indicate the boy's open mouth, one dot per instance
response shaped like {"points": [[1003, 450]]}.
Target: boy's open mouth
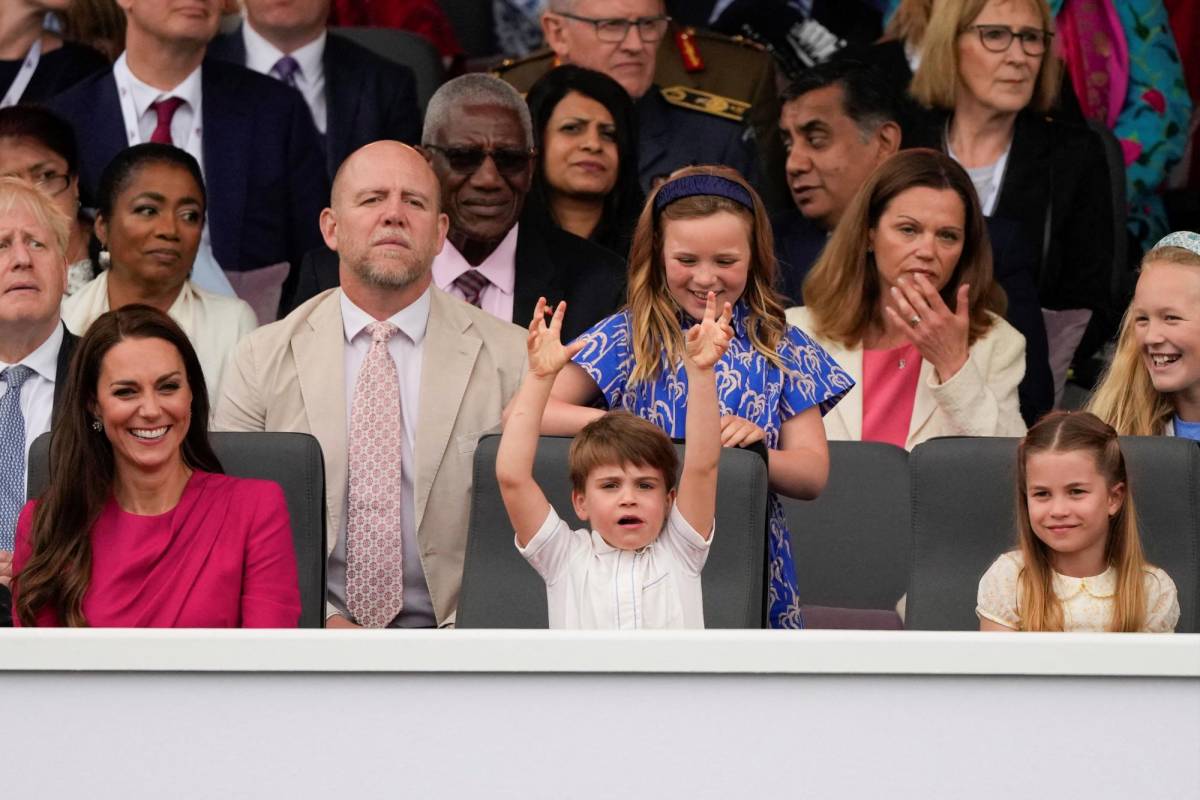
{"points": [[629, 519]]}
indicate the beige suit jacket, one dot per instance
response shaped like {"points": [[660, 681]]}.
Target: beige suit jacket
{"points": [[290, 376], [979, 400]]}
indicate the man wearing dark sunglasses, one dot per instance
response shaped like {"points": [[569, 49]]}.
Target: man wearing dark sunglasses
{"points": [[479, 139], [677, 127]]}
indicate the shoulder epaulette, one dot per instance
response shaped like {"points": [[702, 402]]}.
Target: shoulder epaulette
{"points": [[706, 102]]}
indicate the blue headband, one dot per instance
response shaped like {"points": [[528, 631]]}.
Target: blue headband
{"points": [[1185, 239], [693, 185]]}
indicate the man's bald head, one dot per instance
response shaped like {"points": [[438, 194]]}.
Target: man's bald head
{"points": [[384, 221]]}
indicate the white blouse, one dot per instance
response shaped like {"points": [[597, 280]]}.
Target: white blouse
{"points": [[214, 323], [1087, 603]]}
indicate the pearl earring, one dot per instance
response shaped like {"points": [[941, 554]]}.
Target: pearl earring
{"points": [[104, 259]]}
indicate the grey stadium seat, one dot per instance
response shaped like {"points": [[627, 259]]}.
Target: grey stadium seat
{"points": [[851, 544], [402, 47], [501, 590], [294, 461]]}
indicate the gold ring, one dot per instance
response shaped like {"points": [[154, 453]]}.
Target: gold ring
{"points": [[914, 320]]}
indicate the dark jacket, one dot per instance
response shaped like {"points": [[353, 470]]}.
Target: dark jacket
{"points": [[798, 243], [551, 263], [672, 136], [368, 97], [263, 167], [65, 351]]}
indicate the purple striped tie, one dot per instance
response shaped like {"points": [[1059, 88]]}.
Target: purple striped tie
{"points": [[472, 283]]}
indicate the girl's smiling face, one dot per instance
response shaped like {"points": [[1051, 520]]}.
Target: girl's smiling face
{"points": [[706, 254], [1070, 505], [1166, 324]]}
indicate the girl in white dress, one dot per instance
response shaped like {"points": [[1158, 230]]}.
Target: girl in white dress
{"points": [[1078, 565]]}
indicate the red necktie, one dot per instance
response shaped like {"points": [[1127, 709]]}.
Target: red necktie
{"points": [[165, 109]]}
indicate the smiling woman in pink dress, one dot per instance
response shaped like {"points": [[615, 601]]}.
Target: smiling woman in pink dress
{"points": [[904, 299], [138, 527]]}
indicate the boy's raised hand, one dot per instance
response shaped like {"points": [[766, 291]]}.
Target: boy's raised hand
{"points": [[547, 354], [707, 341]]}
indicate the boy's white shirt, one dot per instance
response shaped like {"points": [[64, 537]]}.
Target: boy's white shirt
{"points": [[592, 585]]}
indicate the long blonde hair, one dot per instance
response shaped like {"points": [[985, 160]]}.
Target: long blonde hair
{"points": [[654, 314], [842, 290], [1126, 397], [909, 22], [936, 81], [1039, 608]]}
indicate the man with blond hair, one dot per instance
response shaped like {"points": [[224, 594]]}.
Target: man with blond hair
{"points": [[35, 347]]}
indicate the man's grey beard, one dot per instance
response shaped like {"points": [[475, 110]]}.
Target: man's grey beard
{"points": [[389, 279]]}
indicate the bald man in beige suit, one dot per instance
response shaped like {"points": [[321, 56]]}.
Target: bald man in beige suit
{"points": [[456, 366]]}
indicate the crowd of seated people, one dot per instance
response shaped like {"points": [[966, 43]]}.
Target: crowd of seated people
{"points": [[261, 230]]}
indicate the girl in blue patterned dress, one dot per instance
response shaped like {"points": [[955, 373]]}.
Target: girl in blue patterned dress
{"points": [[706, 230]]}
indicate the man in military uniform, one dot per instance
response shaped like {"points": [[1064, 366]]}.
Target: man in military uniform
{"points": [[678, 125]]}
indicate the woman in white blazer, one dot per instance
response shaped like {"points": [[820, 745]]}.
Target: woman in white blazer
{"points": [[903, 298], [150, 222]]}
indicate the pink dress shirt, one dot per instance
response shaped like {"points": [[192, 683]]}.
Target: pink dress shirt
{"points": [[500, 268]]}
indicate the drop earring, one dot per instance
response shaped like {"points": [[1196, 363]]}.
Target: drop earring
{"points": [[104, 259]]}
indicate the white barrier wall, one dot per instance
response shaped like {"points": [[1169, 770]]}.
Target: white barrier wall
{"points": [[535, 714]]}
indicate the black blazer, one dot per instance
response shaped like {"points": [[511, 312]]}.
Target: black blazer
{"points": [[263, 167], [65, 351], [1056, 192], [551, 263], [368, 97]]}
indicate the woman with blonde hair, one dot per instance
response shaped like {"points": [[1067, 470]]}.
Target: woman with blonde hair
{"points": [[1078, 565], [706, 230], [904, 299], [1152, 386]]}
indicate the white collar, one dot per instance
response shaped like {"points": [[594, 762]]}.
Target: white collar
{"points": [[144, 95], [44, 360], [261, 55], [411, 320]]}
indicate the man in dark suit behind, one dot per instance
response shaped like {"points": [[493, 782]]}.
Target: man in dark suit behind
{"points": [[479, 140], [355, 96], [254, 139], [35, 347]]}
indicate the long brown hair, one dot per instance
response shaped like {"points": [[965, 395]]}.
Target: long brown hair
{"points": [[842, 290], [82, 469], [654, 314], [1126, 397], [1039, 608]]}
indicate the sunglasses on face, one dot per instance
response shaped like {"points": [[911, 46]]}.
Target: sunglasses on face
{"points": [[465, 160]]}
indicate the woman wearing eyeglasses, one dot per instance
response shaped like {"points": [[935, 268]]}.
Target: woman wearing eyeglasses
{"points": [[35, 64], [988, 70], [40, 147]]}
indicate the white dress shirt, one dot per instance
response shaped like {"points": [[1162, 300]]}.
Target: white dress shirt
{"points": [[136, 97], [261, 55], [592, 585], [406, 350], [500, 268], [37, 393]]}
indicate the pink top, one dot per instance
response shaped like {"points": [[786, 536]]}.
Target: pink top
{"points": [[222, 558], [889, 387]]}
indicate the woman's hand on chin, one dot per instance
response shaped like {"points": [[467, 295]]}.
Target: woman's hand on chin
{"points": [[940, 335]]}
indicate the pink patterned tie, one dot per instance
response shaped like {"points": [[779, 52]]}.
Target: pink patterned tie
{"points": [[374, 558]]}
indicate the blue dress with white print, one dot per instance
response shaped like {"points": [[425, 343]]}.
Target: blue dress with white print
{"points": [[748, 386]]}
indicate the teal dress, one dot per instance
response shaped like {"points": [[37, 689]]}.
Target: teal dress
{"points": [[748, 386]]}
